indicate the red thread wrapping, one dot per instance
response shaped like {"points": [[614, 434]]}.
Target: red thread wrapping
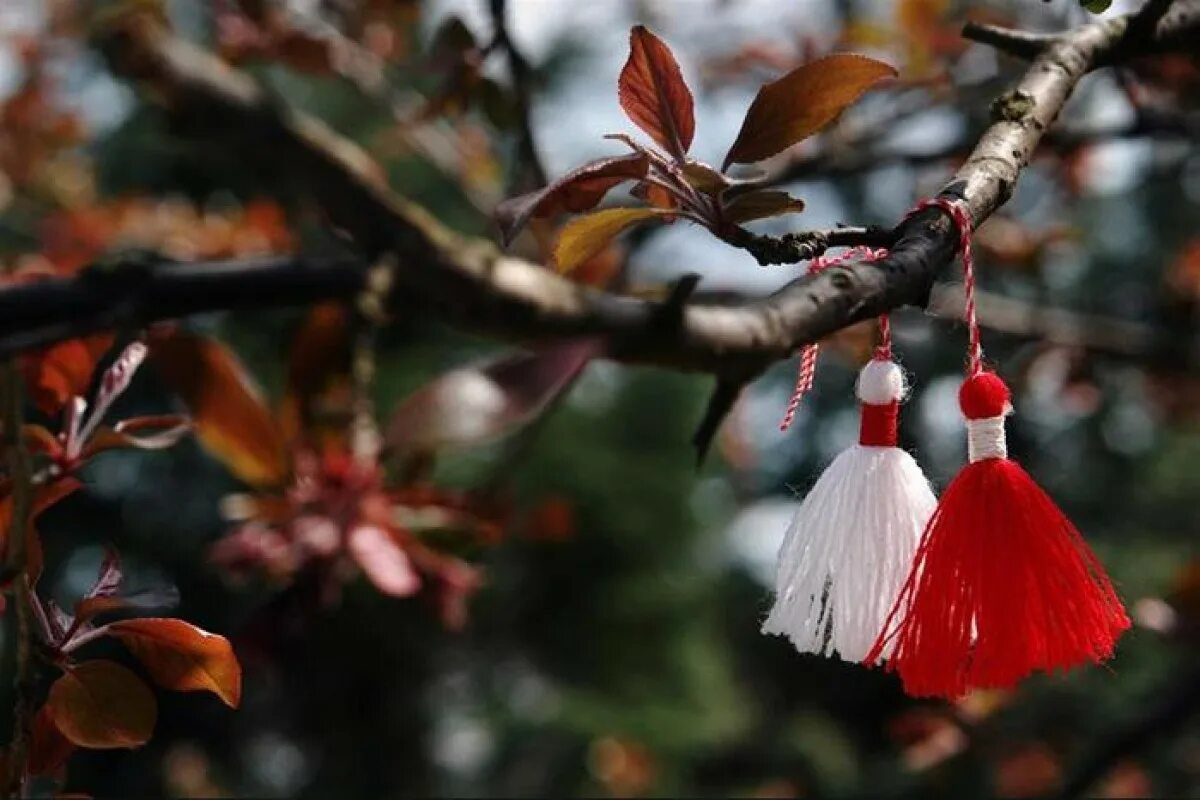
{"points": [[880, 425]]}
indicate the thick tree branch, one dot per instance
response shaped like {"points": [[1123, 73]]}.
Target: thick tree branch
{"points": [[470, 283], [135, 295]]}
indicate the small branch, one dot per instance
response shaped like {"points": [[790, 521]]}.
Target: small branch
{"points": [[792, 248], [20, 472], [1022, 44], [1098, 334], [522, 80]]}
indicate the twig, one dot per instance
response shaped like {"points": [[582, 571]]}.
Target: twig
{"points": [[1123, 338], [1022, 44], [522, 79], [792, 248]]}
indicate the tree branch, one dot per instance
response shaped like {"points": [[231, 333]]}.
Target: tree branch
{"points": [[469, 283], [530, 163], [1097, 334], [1022, 44]]}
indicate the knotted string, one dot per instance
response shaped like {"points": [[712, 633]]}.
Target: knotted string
{"points": [[962, 220], [958, 212], [808, 353]]}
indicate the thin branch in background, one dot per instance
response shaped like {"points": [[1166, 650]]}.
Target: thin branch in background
{"points": [[1022, 44], [531, 173], [1094, 333]]}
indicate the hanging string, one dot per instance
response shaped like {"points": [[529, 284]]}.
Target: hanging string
{"points": [[962, 220], [808, 354]]}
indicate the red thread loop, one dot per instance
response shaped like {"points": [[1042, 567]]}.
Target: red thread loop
{"points": [[808, 353], [880, 425], [962, 220]]}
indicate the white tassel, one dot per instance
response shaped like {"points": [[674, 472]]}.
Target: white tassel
{"points": [[851, 544]]}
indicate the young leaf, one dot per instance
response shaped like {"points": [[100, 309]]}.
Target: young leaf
{"points": [[182, 657], [654, 95], [383, 560], [102, 596], [579, 190], [585, 236], [228, 415], [100, 704], [760, 205], [108, 581], [62, 371], [656, 196], [156, 432], [802, 102], [704, 178]]}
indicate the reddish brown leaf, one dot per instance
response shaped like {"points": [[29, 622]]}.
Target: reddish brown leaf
{"points": [[62, 371], [656, 196], [583, 237], [319, 362], [89, 608], [48, 748], [802, 102], [579, 190], [760, 205], [182, 657], [229, 417], [654, 95], [44, 496], [100, 704]]}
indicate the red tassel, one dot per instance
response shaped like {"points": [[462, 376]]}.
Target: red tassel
{"points": [[1002, 584]]}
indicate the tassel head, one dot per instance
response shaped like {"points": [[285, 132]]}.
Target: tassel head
{"points": [[880, 388], [1003, 584]]}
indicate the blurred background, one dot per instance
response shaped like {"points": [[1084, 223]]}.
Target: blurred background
{"points": [[613, 646]]}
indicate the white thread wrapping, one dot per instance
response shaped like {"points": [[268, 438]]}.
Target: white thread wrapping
{"points": [[985, 439], [848, 551]]}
